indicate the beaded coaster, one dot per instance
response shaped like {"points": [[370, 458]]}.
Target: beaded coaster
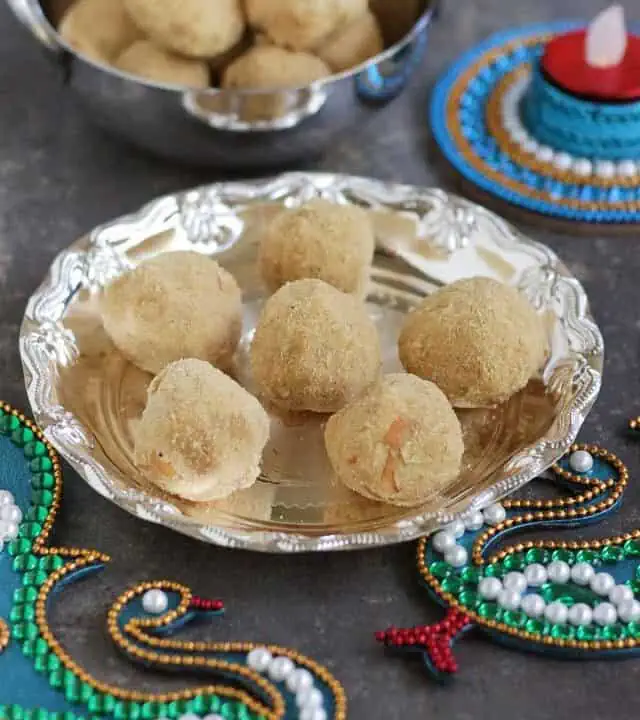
{"points": [[476, 121], [570, 598], [42, 681]]}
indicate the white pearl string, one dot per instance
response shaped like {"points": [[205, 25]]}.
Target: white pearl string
{"points": [[583, 167], [10, 518], [514, 590], [298, 681]]}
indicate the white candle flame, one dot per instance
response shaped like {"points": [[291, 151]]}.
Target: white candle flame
{"points": [[606, 42]]}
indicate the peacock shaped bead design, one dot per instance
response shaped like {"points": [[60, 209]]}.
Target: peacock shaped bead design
{"points": [[42, 681], [572, 598]]}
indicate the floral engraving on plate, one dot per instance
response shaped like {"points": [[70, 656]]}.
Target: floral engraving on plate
{"points": [[65, 429], [449, 224], [54, 342], [209, 221], [103, 263]]}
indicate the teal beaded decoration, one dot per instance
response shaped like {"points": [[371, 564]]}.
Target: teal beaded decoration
{"points": [[572, 598], [42, 681]]}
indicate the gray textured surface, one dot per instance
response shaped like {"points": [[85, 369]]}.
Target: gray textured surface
{"points": [[59, 177]]}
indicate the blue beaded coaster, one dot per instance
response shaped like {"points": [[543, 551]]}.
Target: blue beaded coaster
{"points": [[477, 120]]}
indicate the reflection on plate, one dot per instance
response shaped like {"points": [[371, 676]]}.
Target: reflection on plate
{"points": [[88, 397]]}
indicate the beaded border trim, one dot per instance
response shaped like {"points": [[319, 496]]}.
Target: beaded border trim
{"points": [[447, 130], [137, 629], [558, 509], [85, 558], [510, 147]]}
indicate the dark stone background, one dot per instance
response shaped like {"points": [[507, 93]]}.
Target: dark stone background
{"points": [[59, 177]]}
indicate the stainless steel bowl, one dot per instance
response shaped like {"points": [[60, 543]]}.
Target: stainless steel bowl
{"points": [[205, 127]]}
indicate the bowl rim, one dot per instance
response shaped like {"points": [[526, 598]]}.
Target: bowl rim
{"points": [[416, 29]]}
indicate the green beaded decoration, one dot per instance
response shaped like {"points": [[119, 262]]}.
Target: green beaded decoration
{"points": [[563, 555], [611, 554], [515, 562], [538, 555], [632, 549], [35, 569]]}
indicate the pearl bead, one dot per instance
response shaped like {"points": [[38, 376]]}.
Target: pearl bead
{"points": [[259, 658], [535, 574], [510, 124], [581, 573], [489, 588], [457, 556], [629, 611], [155, 602], [563, 161], [530, 145], [545, 154], [556, 613], [494, 514], [509, 599], [313, 714], [11, 531], [213, 717], [280, 668], [558, 571], [627, 168], [10, 513], [520, 135], [474, 521], [582, 167], [309, 698], [533, 605], [602, 583], [605, 614], [299, 680], [443, 541], [515, 581], [189, 716], [455, 528], [620, 593], [580, 614], [580, 461], [605, 169], [6, 498]]}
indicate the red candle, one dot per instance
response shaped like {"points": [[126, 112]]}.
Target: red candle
{"points": [[565, 64], [600, 63]]}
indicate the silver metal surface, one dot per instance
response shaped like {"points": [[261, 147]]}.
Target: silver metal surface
{"points": [[206, 127], [453, 238]]}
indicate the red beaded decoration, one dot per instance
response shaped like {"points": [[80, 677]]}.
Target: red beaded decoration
{"points": [[436, 640], [198, 603]]}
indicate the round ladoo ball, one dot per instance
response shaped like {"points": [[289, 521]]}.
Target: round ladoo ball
{"points": [[315, 348], [201, 435], [302, 24], [356, 43], [98, 29], [266, 67], [149, 61], [176, 305], [321, 240], [193, 28], [479, 340], [399, 443]]}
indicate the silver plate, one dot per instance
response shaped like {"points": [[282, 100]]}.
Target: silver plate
{"points": [[425, 238]]}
